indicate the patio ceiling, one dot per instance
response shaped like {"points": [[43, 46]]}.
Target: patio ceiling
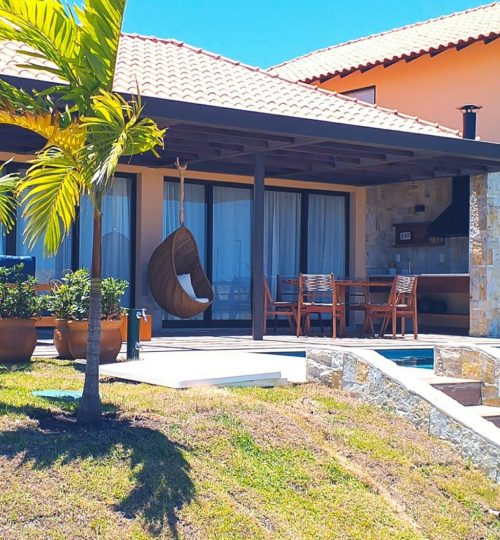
{"points": [[225, 140], [311, 159]]}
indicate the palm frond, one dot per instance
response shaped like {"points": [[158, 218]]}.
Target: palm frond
{"points": [[16, 99], [49, 28], [50, 193], [47, 125], [8, 203], [79, 47], [100, 22], [115, 130]]}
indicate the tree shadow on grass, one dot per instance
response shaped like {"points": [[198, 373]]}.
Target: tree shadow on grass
{"points": [[161, 481], [27, 367], [22, 367]]}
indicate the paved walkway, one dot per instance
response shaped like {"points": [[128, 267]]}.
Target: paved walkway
{"points": [[219, 340]]}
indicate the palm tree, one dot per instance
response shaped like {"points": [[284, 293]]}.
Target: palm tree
{"points": [[87, 129]]}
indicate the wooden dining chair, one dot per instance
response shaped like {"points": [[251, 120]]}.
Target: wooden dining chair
{"points": [[275, 308], [401, 304], [318, 294]]}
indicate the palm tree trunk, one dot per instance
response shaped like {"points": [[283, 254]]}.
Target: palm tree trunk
{"points": [[89, 412]]}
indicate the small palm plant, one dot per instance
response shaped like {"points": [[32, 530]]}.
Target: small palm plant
{"points": [[87, 129]]}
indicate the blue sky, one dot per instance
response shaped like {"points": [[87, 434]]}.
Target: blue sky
{"points": [[266, 32]]}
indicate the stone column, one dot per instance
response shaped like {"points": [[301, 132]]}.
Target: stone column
{"points": [[484, 255]]}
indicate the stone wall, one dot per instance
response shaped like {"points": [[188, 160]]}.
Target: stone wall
{"points": [[368, 376], [390, 204], [473, 362], [485, 255]]}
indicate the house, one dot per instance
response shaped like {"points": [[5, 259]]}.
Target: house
{"points": [[427, 70], [279, 175]]}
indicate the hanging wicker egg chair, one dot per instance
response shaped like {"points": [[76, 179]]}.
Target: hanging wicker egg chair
{"points": [[176, 278], [175, 257]]}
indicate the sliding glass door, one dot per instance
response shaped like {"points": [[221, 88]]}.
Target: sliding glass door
{"points": [[47, 268], [117, 233], [231, 253], [303, 232], [3, 241], [326, 231], [281, 235]]}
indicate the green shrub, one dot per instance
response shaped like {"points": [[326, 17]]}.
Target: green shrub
{"points": [[18, 297], [70, 298], [112, 293]]}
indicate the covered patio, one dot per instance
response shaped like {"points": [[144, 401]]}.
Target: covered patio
{"points": [[275, 148]]}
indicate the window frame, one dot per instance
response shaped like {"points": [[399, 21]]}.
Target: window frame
{"points": [[11, 244], [208, 321], [348, 93]]}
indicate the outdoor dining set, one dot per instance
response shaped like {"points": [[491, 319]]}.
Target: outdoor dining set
{"points": [[299, 298]]}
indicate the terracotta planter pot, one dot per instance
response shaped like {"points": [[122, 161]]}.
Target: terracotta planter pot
{"points": [[61, 339], [17, 340], [111, 339]]}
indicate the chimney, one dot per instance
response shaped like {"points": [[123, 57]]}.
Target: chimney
{"points": [[470, 116]]}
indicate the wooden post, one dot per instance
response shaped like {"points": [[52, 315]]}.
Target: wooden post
{"points": [[258, 248]]}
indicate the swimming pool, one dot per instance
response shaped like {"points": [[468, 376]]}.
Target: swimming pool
{"points": [[298, 354], [417, 358]]}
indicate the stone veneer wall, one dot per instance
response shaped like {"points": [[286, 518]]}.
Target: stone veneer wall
{"points": [[485, 255], [477, 363], [395, 203], [368, 376]]}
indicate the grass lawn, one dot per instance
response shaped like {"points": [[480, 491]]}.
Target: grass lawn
{"points": [[289, 463]]}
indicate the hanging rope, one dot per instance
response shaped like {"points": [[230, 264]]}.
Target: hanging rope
{"points": [[181, 169]]}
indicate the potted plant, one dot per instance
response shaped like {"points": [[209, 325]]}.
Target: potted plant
{"points": [[19, 308], [70, 304], [69, 301]]}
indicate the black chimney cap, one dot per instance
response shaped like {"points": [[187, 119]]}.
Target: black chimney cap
{"points": [[469, 108]]}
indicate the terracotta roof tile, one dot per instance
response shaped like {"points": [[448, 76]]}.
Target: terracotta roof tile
{"points": [[171, 70], [410, 41]]}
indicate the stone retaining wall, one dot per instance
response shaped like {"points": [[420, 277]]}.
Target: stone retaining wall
{"points": [[479, 363], [370, 377]]}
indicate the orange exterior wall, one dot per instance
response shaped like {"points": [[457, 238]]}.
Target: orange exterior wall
{"points": [[433, 87]]}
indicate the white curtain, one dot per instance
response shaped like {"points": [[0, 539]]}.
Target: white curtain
{"points": [[232, 241], [326, 235], [116, 232], [195, 215], [281, 235], [195, 212]]}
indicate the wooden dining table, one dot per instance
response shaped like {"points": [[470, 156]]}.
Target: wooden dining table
{"points": [[344, 284]]}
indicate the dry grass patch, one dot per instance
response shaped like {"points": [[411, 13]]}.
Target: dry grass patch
{"points": [[296, 462]]}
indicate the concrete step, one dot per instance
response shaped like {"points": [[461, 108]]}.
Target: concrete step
{"points": [[488, 413], [466, 392]]}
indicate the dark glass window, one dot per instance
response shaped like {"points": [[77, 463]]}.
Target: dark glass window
{"points": [[363, 94]]}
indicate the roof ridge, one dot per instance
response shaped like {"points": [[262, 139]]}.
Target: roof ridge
{"points": [[383, 33], [329, 93]]}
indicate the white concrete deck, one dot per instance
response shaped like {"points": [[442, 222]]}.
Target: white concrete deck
{"points": [[214, 368]]}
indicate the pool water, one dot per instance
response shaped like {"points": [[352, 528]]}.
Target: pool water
{"points": [[298, 354], [418, 358]]}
